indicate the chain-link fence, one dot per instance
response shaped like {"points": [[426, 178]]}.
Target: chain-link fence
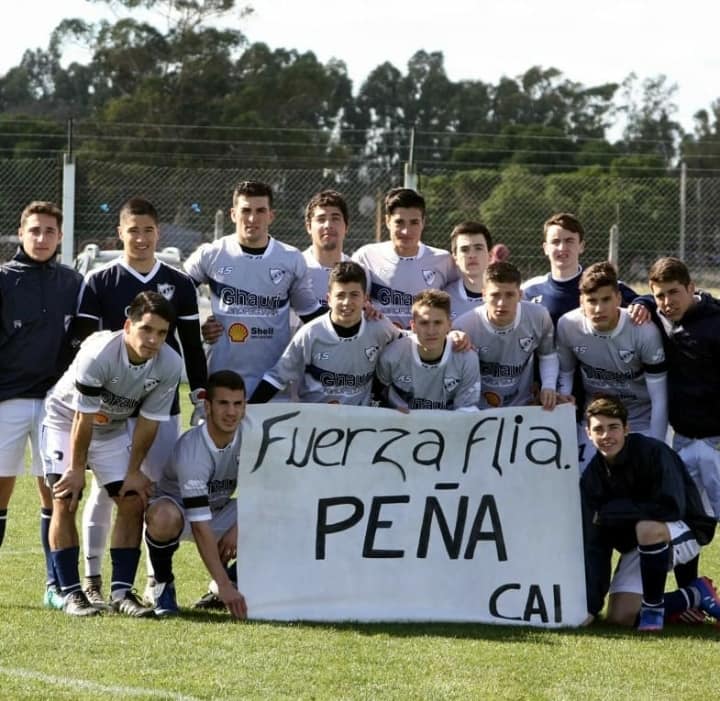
{"points": [[647, 211]]}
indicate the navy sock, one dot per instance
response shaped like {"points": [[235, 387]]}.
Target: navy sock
{"points": [[653, 571], [678, 601], [45, 515], [65, 562], [686, 572], [161, 555], [124, 568], [3, 521]]}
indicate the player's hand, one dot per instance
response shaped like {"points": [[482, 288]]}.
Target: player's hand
{"points": [[565, 399], [197, 397], [69, 486], [211, 330], [371, 314], [639, 314], [227, 545], [137, 483], [548, 399], [460, 341], [234, 601]]}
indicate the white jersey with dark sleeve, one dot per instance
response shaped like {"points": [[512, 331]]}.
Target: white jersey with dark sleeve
{"points": [[102, 381], [201, 476], [451, 383], [394, 281], [329, 368], [460, 301], [251, 296], [616, 362], [506, 354]]}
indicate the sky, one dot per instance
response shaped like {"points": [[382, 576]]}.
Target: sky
{"points": [[591, 42]]}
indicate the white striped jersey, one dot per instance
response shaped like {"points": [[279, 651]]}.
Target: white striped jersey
{"points": [[460, 302], [329, 368], [506, 354], [102, 381], [319, 275], [107, 292], [251, 297], [613, 362], [394, 281], [200, 475], [451, 383]]}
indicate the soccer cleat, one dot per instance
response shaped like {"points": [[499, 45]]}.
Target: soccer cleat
{"points": [[209, 602], [130, 605], [149, 593], [92, 586], [165, 600], [689, 617], [77, 604], [709, 599], [651, 619], [53, 599]]}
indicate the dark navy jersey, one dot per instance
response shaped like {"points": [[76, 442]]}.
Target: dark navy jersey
{"points": [[108, 291], [562, 296]]}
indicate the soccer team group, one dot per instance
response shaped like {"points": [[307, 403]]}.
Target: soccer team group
{"points": [[91, 368]]}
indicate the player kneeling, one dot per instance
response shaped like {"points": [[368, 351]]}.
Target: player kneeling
{"points": [[194, 498], [639, 499]]}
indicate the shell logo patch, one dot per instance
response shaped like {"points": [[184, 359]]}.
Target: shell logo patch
{"points": [[238, 332]]}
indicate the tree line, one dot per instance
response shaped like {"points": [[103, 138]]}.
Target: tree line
{"points": [[197, 93]]}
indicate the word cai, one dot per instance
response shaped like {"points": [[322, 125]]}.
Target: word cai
{"points": [[510, 441]]}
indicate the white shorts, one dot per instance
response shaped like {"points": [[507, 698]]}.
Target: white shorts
{"points": [[627, 579], [107, 457], [161, 448], [702, 458], [221, 522], [20, 421]]}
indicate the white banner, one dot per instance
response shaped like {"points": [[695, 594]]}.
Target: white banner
{"points": [[355, 513]]}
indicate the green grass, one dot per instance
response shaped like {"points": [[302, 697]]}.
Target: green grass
{"points": [[46, 655]]}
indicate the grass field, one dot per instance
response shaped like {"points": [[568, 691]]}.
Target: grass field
{"points": [[47, 655]]}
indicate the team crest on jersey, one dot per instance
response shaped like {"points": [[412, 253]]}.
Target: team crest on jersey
{"points": [[371, 353], [276, 275], [526, 343], [114, 380], [429, 277], [151, 383], [450, 383], [405, 379], [537, 299], [166, 291], [238, 332], [626, 356], [580, 349]]}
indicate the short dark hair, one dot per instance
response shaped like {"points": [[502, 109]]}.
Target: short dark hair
{"points": [[348, 271], [147, 302], [607, 405], [327, 198], [42, 207], [502, 272], [565, 220], [598, 275], [669, 269], [403, 197], [137, 207], [470, 228], [227, 379], [253, 188], [435, 299]]}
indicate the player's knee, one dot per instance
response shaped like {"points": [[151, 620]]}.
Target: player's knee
{"points": [[163, 520], [61, 503], [623, 610], [650, 532]]}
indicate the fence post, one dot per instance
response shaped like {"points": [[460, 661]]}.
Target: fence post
{"points": [[219, 229], [683, 209], [614, 245], [410, 178]]}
